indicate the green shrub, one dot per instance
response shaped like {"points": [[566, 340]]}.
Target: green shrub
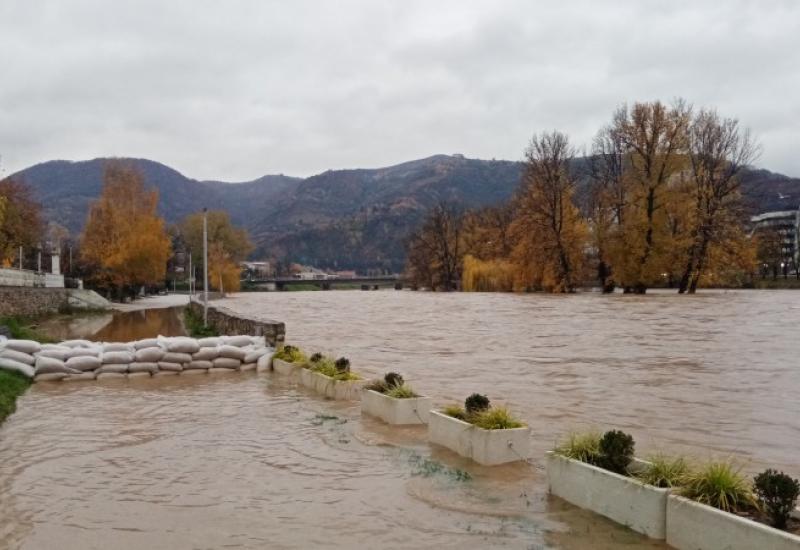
{"points": [[342, 365], [581, 446], [402, 391], [778, 494], [393, 379], [664, 471], [12, 385], [476, 403], [456, 411], [377, 385], [496, 418], [316, 357], [616, 451], [290, 354], [721, 485], [24, 328]]}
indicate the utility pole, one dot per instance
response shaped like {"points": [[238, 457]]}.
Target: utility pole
{"points": [[205, 266], [191, 275], [70, 260], [20, 258]]}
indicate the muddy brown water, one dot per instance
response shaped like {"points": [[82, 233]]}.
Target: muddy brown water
{"points": [[252, 461]]}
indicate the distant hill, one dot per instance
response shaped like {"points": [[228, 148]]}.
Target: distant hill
{"points": [[355, 219]]}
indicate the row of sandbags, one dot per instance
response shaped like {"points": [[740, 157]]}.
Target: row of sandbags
{"points": [[82, 359]]}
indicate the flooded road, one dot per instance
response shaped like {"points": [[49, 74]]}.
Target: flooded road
{"points": [[252, 461], [116, 326]]}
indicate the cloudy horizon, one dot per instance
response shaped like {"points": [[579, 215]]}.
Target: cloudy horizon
{"points": [[233, 91]]}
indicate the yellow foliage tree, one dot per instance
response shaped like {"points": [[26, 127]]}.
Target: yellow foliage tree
{"points": [[549, 231], [124, 243], [487, 275]]}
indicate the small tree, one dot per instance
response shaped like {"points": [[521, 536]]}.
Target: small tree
{"points": [[778, 492], [435, 252]]}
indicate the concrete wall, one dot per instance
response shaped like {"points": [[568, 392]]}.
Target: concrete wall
{"points": [[31, 302], [25, 278], [229, 322]]}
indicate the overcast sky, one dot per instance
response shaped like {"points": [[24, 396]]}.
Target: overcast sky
{"points": [[233, 90]]}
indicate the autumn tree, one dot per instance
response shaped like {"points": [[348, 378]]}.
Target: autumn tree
{"points": [[228, 246], [654, 141], [434, 251], [124, 244], [549, 231], [606, 202], [718, 150], [20, 219]]}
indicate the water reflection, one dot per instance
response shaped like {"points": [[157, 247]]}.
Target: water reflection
{"points": [[117, 326]]}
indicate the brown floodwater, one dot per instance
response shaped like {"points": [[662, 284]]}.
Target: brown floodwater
{"points": [[116, 326], [252, 461]]}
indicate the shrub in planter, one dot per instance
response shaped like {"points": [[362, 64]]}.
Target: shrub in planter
{"points": [[584, 447], [316, 357], [377, 385], [664, 472], [616, 451], [393, 379], [476, 403], [777, 492], [290, 354], [342, 365], [402, 391], [721, 485]]}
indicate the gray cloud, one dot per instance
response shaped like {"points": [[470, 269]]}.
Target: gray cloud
{"points": [[234, 90]]}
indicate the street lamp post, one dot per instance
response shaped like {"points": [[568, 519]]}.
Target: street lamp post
{"points": [[205, 266]]}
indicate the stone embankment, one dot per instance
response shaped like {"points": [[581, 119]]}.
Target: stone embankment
{"points": [[31, 302], [225, 321], [85, 360]]}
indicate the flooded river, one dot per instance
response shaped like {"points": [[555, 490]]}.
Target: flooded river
{"points": [[252, 461]]}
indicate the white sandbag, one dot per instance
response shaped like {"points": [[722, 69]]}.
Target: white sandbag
{"points": [[238, 341], [146, 343], [25, 346], [254, 355], [107, 375], [221, 370], [143, 367], [50, 376], [173, 357], [248, 367], [117, 346], [84, 363], [166, 373], [116, 357], [60, 353], [20, 356], [259, 341], [183, 345], [47, 365], [198, 365], [184, 372], [85, 352], [264, 362], [226, 363], [16, 366], [206, 354], [170, 367], [209, 342], [145, 374], [112, 368], [78, 377], [232, 352], [77, 343], [149, 355]]}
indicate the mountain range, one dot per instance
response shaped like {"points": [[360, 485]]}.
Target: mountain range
{"points": [[341, 219]]}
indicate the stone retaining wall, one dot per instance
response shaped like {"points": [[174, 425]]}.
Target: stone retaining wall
{"points": [[228, 322], [30, 302]]}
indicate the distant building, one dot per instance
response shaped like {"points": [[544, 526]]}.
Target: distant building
{"points": [[787, 224]]}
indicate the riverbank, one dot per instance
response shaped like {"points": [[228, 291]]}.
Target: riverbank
{"points": [[12, 385]]}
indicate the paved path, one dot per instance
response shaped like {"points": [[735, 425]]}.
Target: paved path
{"points": [[154, 302]]}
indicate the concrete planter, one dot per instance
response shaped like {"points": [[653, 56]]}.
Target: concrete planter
{"points": [[695, 526], [284, 367], [414, 410], [487, 447], [623, 499], [339, 390]]}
